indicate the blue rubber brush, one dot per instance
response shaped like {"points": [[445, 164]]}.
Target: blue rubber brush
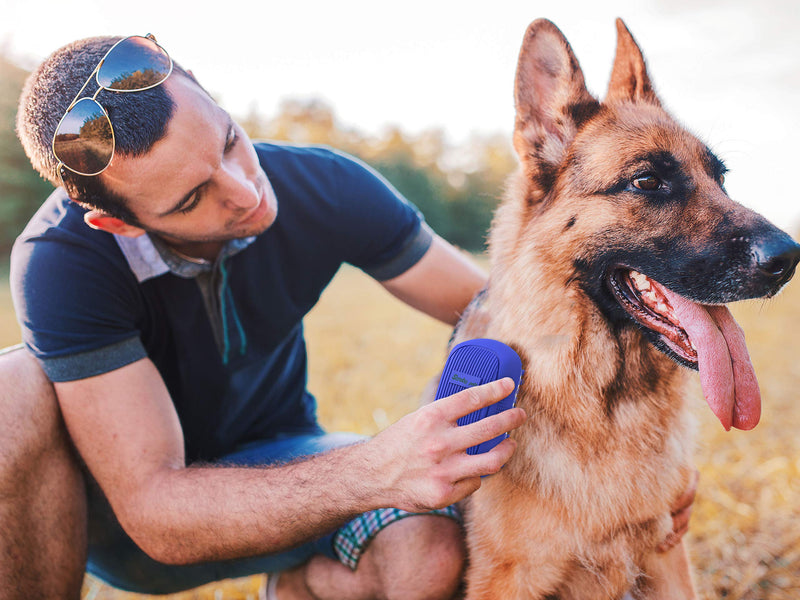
{"points": [[476, 362]]}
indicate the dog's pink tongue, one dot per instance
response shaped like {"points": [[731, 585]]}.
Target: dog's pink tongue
{"points": [[726, 372]]}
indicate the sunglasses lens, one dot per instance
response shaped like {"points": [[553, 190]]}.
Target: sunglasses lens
{"points": [[84, 141], [135, 63]]}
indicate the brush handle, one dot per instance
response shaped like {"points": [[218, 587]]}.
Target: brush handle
{"points": [[476, 362]]}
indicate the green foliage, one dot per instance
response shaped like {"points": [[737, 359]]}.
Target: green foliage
{"points": [[21, 188]]}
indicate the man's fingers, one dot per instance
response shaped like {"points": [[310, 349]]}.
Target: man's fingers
{"points": [[680, 519], [488, 463], [681, 513], [466, 401], [463, 488], [686, 499], [467, 469], [673, 538], [489, 428]]}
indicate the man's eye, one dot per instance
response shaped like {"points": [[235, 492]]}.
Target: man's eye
{"points": [[191, 205], [232, 139], [648, 183]]}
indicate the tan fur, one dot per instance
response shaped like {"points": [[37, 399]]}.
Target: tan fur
{"points": [[584, 501]]}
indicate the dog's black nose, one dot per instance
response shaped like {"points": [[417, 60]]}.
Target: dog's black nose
{"points": [[777, 257]]}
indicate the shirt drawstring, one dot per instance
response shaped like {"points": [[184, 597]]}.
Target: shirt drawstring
{"points": [[226, 298]]}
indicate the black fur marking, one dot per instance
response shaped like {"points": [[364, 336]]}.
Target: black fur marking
{"points": [[571, 222], [714, 166], [545, 176], [646, 380], [582, 112], [677, 184]]}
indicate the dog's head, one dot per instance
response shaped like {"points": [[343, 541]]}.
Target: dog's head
{"points": [[635, 207]]}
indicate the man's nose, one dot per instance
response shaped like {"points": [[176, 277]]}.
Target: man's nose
{"points": [[240, 191]]}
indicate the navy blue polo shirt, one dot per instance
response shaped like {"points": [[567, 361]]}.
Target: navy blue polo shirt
{"points": [[226, 337]]}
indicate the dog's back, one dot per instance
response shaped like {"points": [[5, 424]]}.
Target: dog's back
{"points": [[615, 238]]}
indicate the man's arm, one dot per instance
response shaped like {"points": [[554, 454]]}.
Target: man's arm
{"points": [[126, 429], [441, 284]]}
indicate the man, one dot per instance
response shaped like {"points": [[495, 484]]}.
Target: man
{"points": [[163, 299], [170, 326]]}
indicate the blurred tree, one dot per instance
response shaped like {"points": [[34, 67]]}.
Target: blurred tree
{"points": [[477, 186], [457, 189], [306, 122], [396, 158], [21, 188]]}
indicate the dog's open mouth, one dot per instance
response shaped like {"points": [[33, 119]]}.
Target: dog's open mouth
{"points": [[705, 337], [646, 302]]}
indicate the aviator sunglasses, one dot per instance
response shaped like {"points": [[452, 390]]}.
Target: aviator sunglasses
{"points": [[84, 139]]}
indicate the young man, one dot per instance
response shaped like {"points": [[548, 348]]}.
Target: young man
{"points": [[163, 299]]}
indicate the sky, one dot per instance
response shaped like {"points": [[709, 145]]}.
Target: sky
{"points": [[727, 69]]}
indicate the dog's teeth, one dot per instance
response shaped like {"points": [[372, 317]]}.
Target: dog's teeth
{"points": [[661, 307], [640, 281], [691, 343]]}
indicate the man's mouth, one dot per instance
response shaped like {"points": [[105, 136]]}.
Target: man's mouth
{"points": [[257, 211], [700, 336]]}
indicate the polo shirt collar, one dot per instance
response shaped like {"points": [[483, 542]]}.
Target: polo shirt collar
{"points": [[150, 257]]}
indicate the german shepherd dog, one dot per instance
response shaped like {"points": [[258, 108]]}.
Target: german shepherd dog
{"points": [[612, 258]]}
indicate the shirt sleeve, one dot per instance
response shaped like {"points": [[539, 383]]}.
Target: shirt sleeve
{"points": [[76, 308], [385, 233]]}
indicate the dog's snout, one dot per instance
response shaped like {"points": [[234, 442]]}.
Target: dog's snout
{"points": [[776, 258]]}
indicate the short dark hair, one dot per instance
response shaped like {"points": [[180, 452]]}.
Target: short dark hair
{"points": [[139, 119]]}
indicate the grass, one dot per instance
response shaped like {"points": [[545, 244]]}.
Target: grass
{"points": [[370, 356], [9, 329]]}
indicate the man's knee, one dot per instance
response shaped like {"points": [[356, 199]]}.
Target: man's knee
{"points": [[420, 557], [29, 415]]}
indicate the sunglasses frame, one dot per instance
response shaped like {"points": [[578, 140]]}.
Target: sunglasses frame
{"points": [[78, 98]]}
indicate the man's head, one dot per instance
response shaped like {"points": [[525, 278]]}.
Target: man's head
{"points": [[139, 119], [175, 149]]}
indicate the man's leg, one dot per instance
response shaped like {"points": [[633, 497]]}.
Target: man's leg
{"points": [[42, 498], [418, 557]]}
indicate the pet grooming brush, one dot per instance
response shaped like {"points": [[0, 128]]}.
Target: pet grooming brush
{"points": [[476, 362]]}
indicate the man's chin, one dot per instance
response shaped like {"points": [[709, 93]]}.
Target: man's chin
{"points": [[253, 227]]}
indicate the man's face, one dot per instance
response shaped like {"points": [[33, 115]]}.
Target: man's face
{"points": [[201, 184]]}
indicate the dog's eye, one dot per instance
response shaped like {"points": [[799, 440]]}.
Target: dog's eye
{"points": [[647, 183]]}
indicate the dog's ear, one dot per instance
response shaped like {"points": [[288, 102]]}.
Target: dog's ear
{"points": [[629, 78], [551, 100]]}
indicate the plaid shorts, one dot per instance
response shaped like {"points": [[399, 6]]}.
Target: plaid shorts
{"points": [[352, 539]]}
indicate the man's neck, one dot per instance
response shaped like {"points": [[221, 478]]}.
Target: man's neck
{"points": [[194, 251]]}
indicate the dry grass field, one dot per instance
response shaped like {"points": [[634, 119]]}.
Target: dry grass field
{"points": [[370, 356]]}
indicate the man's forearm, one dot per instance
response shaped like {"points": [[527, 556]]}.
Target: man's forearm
{"points": [[213, 513], [184, 515], [126, 429], [441, 284]]}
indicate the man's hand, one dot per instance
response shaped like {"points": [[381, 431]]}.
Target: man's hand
{"points": [[681, 513], [422, 458]]}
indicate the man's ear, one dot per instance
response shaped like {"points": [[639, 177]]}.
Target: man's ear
{"points": [[97, 219]]}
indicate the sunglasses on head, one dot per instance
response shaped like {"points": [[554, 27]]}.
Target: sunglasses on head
{"points": [[84, 139]]}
